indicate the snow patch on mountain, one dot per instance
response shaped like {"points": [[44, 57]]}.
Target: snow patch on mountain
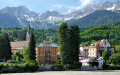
{"points": [[112, 8], [18, 19]]}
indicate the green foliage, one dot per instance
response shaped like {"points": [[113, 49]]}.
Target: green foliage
{"points": [[11, 61], [5, 49], [114, 59], [69, 41], [72, 66], [74, 43], [32, 55], [17, 56], [26, 54], [40, 35], [31, 66], [57, 65], [105, 66], [106, 31], [105, 56], [1, 66], [117, 48], [63, 42]]}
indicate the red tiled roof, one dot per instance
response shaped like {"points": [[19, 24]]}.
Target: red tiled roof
{"points": [[85, 47], [19, 44], [99, 43]]}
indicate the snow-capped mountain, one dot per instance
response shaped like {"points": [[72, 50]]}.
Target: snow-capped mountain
{"points": [[19, 16]]}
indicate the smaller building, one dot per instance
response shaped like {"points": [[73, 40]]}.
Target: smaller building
{"points": [[46, 53], [96, 49], [83, 52], [18, 46], [92, 51]]}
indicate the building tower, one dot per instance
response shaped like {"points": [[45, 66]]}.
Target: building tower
{"points": [[28, 33]]}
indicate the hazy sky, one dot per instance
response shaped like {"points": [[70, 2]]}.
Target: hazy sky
{"points": [[41, 6]]}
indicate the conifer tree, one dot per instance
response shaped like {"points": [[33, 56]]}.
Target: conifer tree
{"points": [[32, 55], [74, 42], [63, 42], [69, 40], [8, 48]]}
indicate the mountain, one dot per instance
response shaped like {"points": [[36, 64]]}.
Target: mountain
{"points": [[89, 16], [98, 17], [111, 32]]}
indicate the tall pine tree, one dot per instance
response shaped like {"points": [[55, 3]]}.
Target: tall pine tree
{"points": [[32, 55], [74, 43], [69, 41], [8, 48], [62, 36]]}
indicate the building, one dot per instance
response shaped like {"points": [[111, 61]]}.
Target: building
{"points": [[96, 49], [46, 53], [92, 51], [20, 45], [83, 52]]}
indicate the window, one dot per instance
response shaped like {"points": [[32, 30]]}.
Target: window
{"points": [[53, 49], [53, 58], [47, 50], [40, 49], [40, 53], [53, 54], [40, 58]]}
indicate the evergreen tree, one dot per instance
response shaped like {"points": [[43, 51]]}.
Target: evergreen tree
{"points": [[32, 55], [63, 42], [74, 43], [5, 48], [8, 48]]}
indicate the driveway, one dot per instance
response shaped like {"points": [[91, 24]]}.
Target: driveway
{"points": [[105, 72]]}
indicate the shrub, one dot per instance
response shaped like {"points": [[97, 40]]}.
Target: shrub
{"points": [[11, 61], [105, 66], [31, 66], [115, 67], [73, 66], [1, 66], [57, 65]]}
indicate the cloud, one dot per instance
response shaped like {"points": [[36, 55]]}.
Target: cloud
{"points": [[58, 6], [85, 2], [81, 4]]}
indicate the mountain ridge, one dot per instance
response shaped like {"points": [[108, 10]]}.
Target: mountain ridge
{"points": [[19, 16]]}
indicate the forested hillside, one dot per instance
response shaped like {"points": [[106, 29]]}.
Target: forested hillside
{"points": [[17, 34], [106, 31], [88, 35]]}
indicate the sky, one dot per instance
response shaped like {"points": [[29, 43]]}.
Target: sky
{"points": [[41, 6]]}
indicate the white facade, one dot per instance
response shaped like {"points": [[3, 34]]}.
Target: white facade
{"points": [[105, 44], [81, 51], [100, 62]]}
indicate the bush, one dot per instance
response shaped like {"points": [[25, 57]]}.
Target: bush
{"points": [[115, 67], [31, 66], [58, 66], [73, 66], [11, 61], [1, 66], [105, 66]]}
